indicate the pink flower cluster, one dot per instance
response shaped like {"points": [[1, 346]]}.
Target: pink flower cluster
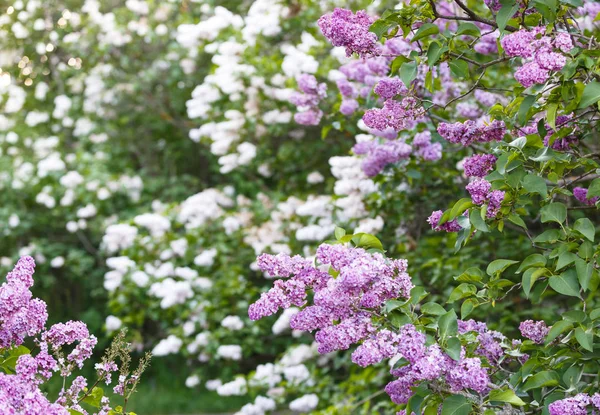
{"points": [[543, 53], [349, 30], [470, 132], [339, 311], [481, 192], [308, 101]]}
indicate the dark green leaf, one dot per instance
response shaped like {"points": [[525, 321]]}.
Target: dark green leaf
{"points": [[456, 405], [554, 212]]}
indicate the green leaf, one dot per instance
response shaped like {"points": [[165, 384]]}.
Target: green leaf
{"points": [[460, 207], [584, 273], [585, 227], [507, 11], [459, 68], [408, 73], [397, 64], [498, 266], [595, 314], [339, 233], [392, 305], [594, 189], [564, 259], [367, 241], [554, 212], [540, 380], [517, 221], [547, 8], [472, 274], [468, 29], [427, 29], [94, 397], [505, 395], [549, 236], [591, 94], [526, 104], [434, 52], [448, 324], [462, 291], [530, 277], [565, 283], [453, 348], [551, 110], [456, 405], [535, 184], [467, 307], [557, 329], [575, 316], [381, 27], [477, 221], [433, 309], [534, 260], [585, 339]]}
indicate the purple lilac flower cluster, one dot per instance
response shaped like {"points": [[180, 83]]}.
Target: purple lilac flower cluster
{"points": [[580, 194], [561, 144], [489, 340], [308, 101], [430, 363], [434, 221], [470, 132], [22, 316], [358, 77], [479, 165], [543, 54], [536, 331], [481, 192], [379, 155], [577, 405], [396, 115], [365, 281], [349, 30]]}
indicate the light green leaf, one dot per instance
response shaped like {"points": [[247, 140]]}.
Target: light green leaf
{"points": [[505, 395], [498, 266]]}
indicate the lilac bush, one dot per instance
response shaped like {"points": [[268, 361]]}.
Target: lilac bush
{"points": [[59, 350]]}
